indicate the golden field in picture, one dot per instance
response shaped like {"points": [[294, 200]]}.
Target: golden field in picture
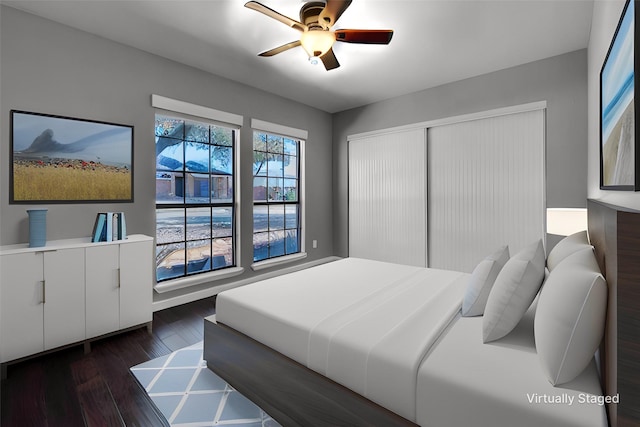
{"points": [[32, 181]]}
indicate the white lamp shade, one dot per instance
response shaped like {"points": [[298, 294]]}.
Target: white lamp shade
{"points": [[566, 221]]}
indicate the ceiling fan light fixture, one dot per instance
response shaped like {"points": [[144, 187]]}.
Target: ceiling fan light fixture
{"points": [[316, 22], [317, 42]]}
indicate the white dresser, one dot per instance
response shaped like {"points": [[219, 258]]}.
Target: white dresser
{"points": [[71, 291]]}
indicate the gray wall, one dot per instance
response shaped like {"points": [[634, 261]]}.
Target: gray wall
{"points": [[606, 15], [561, 81], [50, 68]]}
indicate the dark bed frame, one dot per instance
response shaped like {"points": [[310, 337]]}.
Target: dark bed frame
{"points": [[297, 396]]}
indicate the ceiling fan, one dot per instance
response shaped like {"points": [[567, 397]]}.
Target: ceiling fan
{"points": [[317, 38]]}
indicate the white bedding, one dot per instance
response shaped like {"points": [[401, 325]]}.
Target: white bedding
{"points": [[368, 327], [393, 334], [465, 382]]}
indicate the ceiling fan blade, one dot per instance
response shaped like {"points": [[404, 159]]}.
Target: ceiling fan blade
{"points": [[329, 60], [332, 11], [259, 7], [364, 36], [279, 49]]}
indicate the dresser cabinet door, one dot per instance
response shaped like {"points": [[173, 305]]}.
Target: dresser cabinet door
{"points": [[103, 289], [64, 305], [21, 305], [136, 287]]}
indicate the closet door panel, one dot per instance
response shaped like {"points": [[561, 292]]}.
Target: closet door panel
{"points": [[486, 188], [387, 197]]}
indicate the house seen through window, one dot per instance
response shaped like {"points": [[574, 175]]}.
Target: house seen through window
{"points": [[276, 196], [195, 230]]}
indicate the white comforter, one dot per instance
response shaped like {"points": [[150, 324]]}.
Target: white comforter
{"points": [[463, 382], [365, 324]]}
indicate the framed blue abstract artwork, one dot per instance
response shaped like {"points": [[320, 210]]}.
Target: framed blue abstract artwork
{"points": [[619, 153]]}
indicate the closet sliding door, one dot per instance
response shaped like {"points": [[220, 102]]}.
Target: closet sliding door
{"points": [[387, 197], [486, 188]]}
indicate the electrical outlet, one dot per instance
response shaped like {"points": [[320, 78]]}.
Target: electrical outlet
{"points": [[315, 244]]}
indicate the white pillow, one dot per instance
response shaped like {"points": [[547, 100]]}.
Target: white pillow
{"points": [[513, 291], [569, 321], [481, 281], [583, 258], [566, 247]]}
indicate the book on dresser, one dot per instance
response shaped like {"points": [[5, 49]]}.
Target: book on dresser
{"points": [[109, 226]]}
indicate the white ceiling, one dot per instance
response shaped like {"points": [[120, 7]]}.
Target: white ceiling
{"points": [[435, 41]]}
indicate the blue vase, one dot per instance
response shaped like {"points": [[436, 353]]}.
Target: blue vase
{"points": [[37, 227]]}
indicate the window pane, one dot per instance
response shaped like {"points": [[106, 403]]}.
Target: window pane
{"points": [[169, 154], [198, 256], [276, 243], [290, 147], [222, 253], [275, 190], [259, 163], [170, 225], [169, 127], [222, 188], [275, 144], [221, 160], [276, 217], [222, 222], [198, 223], [259, 141], [290, 167], [194, 131], [260, 246], [221, 136], [197, 188], [292, 242], [291, 216], [260, 218], [275, 167], [196, 157], [169, 187], [170, 261], [290, 190], [260, 189]]}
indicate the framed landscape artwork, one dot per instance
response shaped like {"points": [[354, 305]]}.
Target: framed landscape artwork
{"points": [[57, 159], [619, 151]]}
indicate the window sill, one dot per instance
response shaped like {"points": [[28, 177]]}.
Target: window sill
{"points": [[198, 279], [261, 265]]}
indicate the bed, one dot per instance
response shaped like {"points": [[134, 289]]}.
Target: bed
{"points": [[361, 342]]}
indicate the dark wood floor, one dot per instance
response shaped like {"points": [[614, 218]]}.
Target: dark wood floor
{"points": [[68, 388]]}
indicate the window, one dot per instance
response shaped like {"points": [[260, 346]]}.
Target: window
{"points": [[195, 210], [276, 196]]}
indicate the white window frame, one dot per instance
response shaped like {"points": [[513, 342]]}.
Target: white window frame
{"points": [[168, 106], [300, 135]]}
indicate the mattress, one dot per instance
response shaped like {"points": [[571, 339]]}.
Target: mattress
{"points": [[465, 382], [365, 324]]}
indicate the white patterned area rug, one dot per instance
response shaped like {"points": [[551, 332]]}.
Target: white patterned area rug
{"points": [[190, 395]]}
